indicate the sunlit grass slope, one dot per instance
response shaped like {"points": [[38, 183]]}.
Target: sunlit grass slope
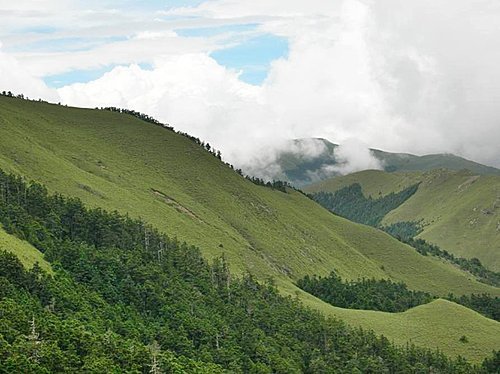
{"points": [[27, 254], [374, 183], [115, 161], [460, 210], [408, 162], [414, 326]]}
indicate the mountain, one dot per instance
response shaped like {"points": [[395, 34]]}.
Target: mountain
{"points": [[308, 161], [458, 210], [117, 162], [123, 297]]}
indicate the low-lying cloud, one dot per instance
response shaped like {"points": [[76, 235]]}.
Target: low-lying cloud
{"points": [[351, 156]]}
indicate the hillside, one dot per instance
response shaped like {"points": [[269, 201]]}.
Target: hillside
{"points": [[375, 183], [116, 304], [116, 161], [413, 324], [27, 254], [302, 169], [459, 210], [408, 162]]}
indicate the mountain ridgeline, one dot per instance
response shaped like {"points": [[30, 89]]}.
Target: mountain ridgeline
{"points": [[311, 160], [115, 161], [124, 297]]}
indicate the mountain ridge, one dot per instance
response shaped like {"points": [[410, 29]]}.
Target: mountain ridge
{"points": [[117, 162], [301, 169]]}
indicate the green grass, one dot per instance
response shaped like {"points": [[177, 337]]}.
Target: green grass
{"points": [[414, 325], [27, 254], [407, 162], [374, 183], [115, 161], [460, 210], [437, 325]]}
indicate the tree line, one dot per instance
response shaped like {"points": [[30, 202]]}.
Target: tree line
{"points": [[349, 202], [406, 232], [386, 295], [370, 294], [274, 184], [124, 297]]}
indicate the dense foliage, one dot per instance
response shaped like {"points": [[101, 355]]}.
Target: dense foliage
{"points": [[275, 185], [349, 202], [126, 298], [371, 294], [404, 230], [387, 296]]}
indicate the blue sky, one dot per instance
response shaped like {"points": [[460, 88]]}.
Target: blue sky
{"points": [[241, 47], [346, 69], [250, 56], [76, 76], [216, 30], [253, 56]]}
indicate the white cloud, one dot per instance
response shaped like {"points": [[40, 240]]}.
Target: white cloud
{"points": [[143, 47], [323, 86], [238, 8], [15, 78], [190, 91], [353, 155], [154, 35]]}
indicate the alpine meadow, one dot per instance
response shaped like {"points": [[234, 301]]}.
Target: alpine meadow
{"points": [[109, 161], [224, 186]]}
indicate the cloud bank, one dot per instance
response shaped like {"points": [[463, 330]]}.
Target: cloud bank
{"points": [[420, 77], [14, 77]]}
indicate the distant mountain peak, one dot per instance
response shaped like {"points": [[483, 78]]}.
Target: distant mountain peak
{"points": [[302, 164]]}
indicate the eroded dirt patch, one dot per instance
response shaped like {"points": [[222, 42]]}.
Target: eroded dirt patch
{"points": [[175, 204]]}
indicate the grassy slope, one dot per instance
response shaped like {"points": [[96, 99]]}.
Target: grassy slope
{"points": [[408, 162], [117, 162], [461, 210], [28, 254], [374, 183], [414, 325]]}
